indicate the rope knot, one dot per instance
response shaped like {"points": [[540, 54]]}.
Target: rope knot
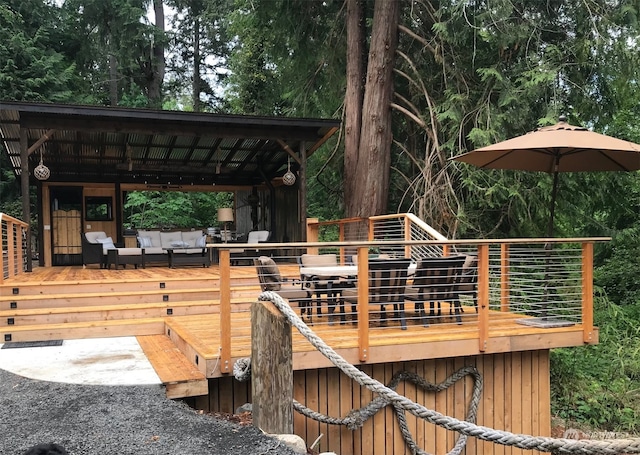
{"points": [[242, 369], [354, 420]]}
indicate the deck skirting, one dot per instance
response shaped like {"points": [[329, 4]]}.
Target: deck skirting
{"points": [[515, 398]]}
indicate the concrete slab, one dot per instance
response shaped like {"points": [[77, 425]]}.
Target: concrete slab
{"points": [[97, 361]]}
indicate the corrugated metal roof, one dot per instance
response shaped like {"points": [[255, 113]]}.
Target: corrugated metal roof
{"points": [[113, 144]]}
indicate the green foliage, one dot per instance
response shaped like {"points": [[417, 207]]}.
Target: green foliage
{"points": [[619, 275], [30, 66], [600, 385], [169, 209]]}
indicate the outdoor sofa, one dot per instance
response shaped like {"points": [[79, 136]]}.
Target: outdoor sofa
{"points": [[174, 247]]}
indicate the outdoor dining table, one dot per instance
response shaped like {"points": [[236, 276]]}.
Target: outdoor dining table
{"points": [[333, 274], [339, 271]]}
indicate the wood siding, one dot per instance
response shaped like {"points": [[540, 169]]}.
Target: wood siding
{"points": [[515, 398]]}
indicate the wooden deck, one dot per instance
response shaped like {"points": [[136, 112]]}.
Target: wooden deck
{"points": [[183, 305]]}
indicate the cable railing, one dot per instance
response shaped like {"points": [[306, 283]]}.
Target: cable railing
{"points": [[512, 287], [14, 246]]}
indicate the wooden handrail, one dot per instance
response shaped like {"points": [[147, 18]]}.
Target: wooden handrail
{"points": [[10, 249]]}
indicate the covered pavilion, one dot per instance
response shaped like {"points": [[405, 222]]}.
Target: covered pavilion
{"points": [[92, 154]]}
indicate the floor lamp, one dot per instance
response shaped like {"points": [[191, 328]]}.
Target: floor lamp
{"points": [[225, 215]]}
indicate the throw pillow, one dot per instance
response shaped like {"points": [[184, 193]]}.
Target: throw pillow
{"points": [[107, 244], [145, 242], [201, 242], [271, 274], [180, 244]]}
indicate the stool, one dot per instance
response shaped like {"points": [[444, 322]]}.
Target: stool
{"points": [[125, 256]]}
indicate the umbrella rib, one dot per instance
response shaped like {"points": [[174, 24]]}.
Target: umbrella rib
{"points": [[510, 152], [605, 155]]}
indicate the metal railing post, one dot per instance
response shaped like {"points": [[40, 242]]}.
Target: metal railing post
{"points": [[587, 291]]}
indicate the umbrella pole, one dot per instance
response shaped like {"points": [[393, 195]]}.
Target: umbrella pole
{"points": [[552, 210], [548, 245]]}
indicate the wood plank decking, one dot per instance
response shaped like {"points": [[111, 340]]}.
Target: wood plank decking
{"points": [[181, 306]]}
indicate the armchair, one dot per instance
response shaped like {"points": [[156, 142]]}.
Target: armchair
{"points": [[236, 254], [94, 248]]}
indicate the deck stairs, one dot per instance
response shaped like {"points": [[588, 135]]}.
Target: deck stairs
{"points": [[144, 307]]}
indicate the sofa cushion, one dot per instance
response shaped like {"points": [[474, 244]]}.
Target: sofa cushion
{"points": [[92, 237], [168, 238], [191, 238], [154, 236], [145, 242], [107, 244]]}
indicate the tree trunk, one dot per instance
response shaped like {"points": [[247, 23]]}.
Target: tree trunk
{"points": [[353, 98], [371, 182], [158, 61], [196, 65], [113, 79]]}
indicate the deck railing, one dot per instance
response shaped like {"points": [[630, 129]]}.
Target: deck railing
{"points": [[14, 251], [545, 283]]}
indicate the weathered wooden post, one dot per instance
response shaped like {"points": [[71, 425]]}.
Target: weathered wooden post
{"points": [[271, 369]]}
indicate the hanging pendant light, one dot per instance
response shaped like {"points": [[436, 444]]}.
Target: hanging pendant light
{"points": [[41, 172], [289, 178]]}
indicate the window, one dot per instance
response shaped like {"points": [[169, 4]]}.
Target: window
{"points": [[98, 208]]}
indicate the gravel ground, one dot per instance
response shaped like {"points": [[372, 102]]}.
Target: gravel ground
{"points": [[118, 420]]}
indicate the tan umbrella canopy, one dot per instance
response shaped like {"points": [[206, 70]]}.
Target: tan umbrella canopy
{"points": [[558, 148]]}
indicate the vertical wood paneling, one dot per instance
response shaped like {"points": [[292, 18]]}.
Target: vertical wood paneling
{"points": [[515, 397], [430, 403], [299, 391], [499, 394]]}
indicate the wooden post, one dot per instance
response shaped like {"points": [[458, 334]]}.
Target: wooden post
{"points": [[483, 296], [271, 369], [24, 188], [363, 303], [225, 311], [504, 277], [313, 233]]}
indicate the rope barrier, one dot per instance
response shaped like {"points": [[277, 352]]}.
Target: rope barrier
{"points": [[465, 428]]}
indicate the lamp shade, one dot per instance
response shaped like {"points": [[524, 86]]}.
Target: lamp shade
{"points": [[225, 215]]}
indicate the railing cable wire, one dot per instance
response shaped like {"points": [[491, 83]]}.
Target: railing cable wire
{"points": [[466, 428]]}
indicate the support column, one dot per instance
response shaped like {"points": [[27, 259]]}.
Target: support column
{"points": [[24, 189]]}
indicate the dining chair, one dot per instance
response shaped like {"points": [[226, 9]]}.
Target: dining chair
{"points": [[320, 284], [271, 280], [436, 280], [468, 280], [387, 282]]}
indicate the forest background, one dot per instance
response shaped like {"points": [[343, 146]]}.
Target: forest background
{"points": [[459, 75]]}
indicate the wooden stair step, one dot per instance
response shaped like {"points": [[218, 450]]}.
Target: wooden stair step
{"points": [[180, 377], [35, 316], [80, 330], [137, 310], [93, 295]]}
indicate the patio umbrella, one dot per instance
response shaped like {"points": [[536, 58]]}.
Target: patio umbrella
{"points": [[554, 149]]}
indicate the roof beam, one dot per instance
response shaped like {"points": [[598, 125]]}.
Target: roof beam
{"points": [[36, 145]]}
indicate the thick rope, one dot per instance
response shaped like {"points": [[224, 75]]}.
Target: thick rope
{"points": [[523, 441]]}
